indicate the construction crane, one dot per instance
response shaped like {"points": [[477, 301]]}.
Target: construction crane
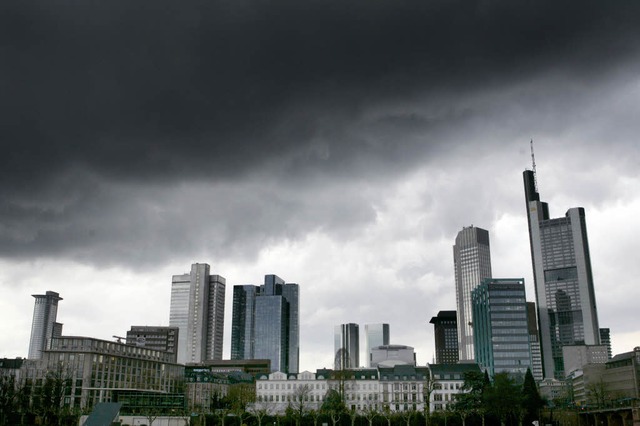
{"points": [[120, 338]]}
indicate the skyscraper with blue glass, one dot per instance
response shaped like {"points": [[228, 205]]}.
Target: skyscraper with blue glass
{"points": [[266, 323], [500, 326]]}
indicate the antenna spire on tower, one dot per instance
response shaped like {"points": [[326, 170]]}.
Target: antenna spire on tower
{"points": [[533, 164]]}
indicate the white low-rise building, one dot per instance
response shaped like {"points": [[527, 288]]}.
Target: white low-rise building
{"points": [[396, 388]]}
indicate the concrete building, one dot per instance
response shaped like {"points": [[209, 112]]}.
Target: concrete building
{"points": [[375, 335], [472, 263], [576, 356], [445, 332], [44, 325], [98, 371], [158, 338], [605, 339], [563, 279], [501, 335], [266, 323], [534, 342], [621, 377], [346, 339], [390, 355], [197, 310]]}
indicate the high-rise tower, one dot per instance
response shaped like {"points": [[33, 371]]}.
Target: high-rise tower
{"points": [[563, 280], [375, 335], [347, 346], [501, 335], [266, 323], [445, 330], [44, 325], [197, 309], [472, 263]]}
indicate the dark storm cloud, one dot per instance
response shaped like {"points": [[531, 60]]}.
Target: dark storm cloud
{"points": [[106, 102], [155, 89]]}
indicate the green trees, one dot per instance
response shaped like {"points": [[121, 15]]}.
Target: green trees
{"points": [[471, 400], [333, 406], [503, 399]]}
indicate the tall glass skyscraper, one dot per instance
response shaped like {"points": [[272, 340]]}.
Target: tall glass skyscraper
{"points": [[197, 309], [44, 325], [375, 335], [500, 326], [563, 280], [347, 346], [266, 323], [472, 263]]}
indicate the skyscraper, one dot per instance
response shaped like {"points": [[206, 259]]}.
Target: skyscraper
{"points": [[197, 309], [445, 330], [375, 335], [534, 342], [500, 327], [347, 346], [266, 323], [472, 263], [563, 280], [44, 325]]}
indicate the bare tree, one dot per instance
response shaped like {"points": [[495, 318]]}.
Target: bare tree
{"points": [[370, 413], [353, 416], [300, 402], [597, 393], [261, 409], [428, 385]]}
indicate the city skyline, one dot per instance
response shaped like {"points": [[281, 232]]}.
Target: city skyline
{"points": [[258, 141]]}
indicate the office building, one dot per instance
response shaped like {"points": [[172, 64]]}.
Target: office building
{"points": [[565, 297], [266, 323], [577, 356], [347, 346], [472, 263], [501, 335], [44, 325], [103, 369], [605, 339], [197, 310], [158, 338], [445, 331], [534, 342], [392, 355], [375, 335]]}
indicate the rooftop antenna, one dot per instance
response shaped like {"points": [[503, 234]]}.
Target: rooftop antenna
{"points": [[533, 163]]}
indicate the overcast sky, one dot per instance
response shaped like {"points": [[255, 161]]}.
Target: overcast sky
{"points": [[340, 145]]}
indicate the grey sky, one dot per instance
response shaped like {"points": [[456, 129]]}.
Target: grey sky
{"points": [[340, 145]]}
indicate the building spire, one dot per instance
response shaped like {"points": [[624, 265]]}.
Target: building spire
{"points": [[533, 165]]}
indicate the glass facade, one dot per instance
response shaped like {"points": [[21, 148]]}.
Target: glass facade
{"points": [[266, 323], [375, 335], [501, 330], [347, 346], [472, 263], [563, 280]]}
